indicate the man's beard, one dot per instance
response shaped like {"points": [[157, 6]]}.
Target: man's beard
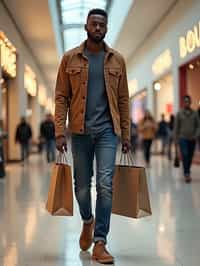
{"points": [[94, 39]]}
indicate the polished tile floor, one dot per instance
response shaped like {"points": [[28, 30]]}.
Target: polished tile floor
{"points": [[29, 236]]}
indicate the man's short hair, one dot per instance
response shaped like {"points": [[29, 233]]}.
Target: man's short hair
{"points": [[98, 11], [187, 98]]}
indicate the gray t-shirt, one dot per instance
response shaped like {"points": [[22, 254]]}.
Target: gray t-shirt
{"points": [[97, 116]]}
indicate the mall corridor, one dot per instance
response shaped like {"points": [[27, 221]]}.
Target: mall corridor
{"points": [[98, 72], [30, 236]]}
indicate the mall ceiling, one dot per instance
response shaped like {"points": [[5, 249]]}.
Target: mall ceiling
{"points": [[34, 22], [142, 20]]}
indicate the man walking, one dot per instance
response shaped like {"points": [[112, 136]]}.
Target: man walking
{"points": [[163, 133], [92, 86], [23, 136], [47, 132], [187, 131]]}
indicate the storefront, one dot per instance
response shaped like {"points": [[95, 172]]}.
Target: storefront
{"points": [[190, 81], [42, 99], [163, 97], [8, 74], [30, 85], [138, 104], [163, 88], [168, 62], [170, 68]]}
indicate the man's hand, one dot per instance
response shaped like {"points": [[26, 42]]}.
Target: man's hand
{"points": [[126, 146], [61, 143]]}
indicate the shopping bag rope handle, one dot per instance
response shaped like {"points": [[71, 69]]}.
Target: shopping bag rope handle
{"points": [[61, 158], [127, 159]]}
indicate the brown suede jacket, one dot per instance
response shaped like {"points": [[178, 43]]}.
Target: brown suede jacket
{"points": [[71, 92]]}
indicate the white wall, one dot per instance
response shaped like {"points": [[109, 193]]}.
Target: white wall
{"points": [[182, 18], [118, 12]]}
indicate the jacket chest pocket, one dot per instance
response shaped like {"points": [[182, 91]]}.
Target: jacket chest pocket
{"points": [[114, 77], [74, 76]]}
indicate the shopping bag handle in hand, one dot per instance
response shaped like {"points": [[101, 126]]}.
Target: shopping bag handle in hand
{"points": [[61, 158], [127, 159]]}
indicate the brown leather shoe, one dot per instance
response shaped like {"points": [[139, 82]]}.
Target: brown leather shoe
{"points": [[188, 179], [101, 255], [86, 237]]}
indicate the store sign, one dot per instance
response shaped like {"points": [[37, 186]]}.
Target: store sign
{"points": [[7, 56], [30, 82], [190, 42], [42, 97], [132, 87], [162, 63]]}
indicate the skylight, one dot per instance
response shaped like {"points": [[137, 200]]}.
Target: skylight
{"points": [[73, 18]]}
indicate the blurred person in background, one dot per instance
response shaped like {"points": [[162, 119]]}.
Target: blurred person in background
{"points": [[187, 131], [147, 128], [163, 133], [23, 136], [3, 135], [47, 133], [134, 136], [170, 135]]}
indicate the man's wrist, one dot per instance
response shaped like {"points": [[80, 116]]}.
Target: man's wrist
{"points": [[60, 136]]}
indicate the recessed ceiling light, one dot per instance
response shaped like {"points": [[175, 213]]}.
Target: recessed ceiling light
{"points": [[157, 86], [191, 66]]}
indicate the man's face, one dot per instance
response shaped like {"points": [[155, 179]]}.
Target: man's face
{"points": [[187, 103], [96, 28]]}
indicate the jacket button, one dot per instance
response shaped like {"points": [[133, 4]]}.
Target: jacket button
{"points": [[83, 97], [81, 130]]}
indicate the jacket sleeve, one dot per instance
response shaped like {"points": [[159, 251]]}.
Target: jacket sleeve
{"points": [[62, 94], [123, 103]]}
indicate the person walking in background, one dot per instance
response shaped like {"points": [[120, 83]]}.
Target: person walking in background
{"points": [[163, 133], [47, 132], [92, 86], [134, 136], [23, 137], [3, 135], [170, 135], [187, 131], [147, 128]]}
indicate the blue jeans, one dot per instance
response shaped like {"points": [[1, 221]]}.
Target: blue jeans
{"points": [[24, 150], [147, 149], [50, 150], [84, 147], [187, 148]]}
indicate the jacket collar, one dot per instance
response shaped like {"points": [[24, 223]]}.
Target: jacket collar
{"points": [[80, 49]]}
